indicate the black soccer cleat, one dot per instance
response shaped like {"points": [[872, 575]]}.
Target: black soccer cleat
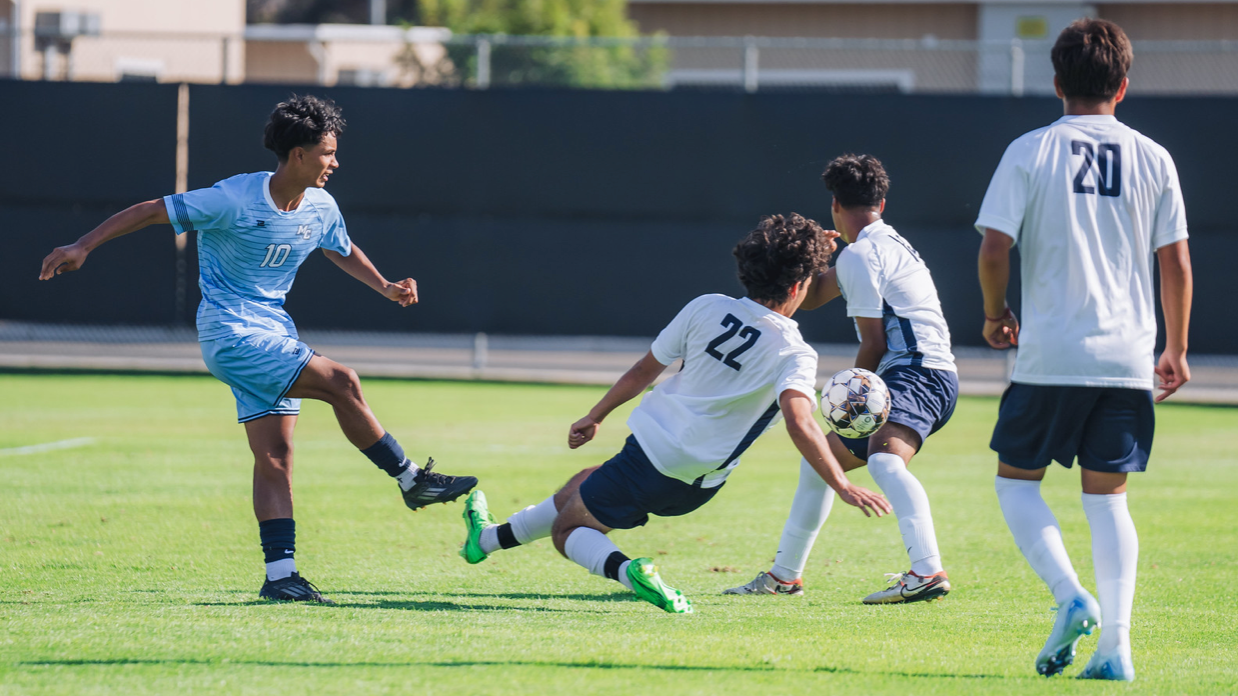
{"points": [[429, 487], [293, 588]]}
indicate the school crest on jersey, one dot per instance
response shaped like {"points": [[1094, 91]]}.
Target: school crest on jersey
{"points": [[304, 232]]}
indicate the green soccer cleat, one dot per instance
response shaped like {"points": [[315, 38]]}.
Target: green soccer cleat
{"points": [[648, 585], [476, 518]]}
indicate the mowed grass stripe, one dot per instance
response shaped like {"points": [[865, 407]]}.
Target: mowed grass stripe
{"points": [[132, 566]]}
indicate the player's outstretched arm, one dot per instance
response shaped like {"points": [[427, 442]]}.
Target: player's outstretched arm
{"points": [[131, 219], [810, 441], [1001, 327], [824, 287], [1177, 287], [633, 383], [822, 290], [358, 265]]}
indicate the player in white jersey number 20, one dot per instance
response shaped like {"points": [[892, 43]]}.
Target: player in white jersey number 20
{"points": [[744, 365], [904, 338], [254, 231], [1089, 202]]}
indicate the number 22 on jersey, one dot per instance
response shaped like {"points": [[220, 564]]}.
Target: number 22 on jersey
{"points": [[733, 326]]}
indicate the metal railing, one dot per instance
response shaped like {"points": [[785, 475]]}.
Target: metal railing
{"points": [[391, 56]]}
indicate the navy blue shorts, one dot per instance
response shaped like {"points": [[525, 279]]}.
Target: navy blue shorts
{"points": [[1108, 429], [921, 398], [626, 490]]}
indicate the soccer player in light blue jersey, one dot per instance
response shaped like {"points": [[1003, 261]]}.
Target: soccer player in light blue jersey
{"points": [[254, 232]]}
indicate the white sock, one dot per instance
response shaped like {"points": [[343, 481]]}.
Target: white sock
{"points": [[911, 506], [408, 477], [1037, 535], [528, 525], [1115, 550], [534, 522], [590, 549], [278, 570], [623, 574], [489, 539], [809, 509]]}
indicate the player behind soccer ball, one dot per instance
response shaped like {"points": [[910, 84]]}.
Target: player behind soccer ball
{"points": [[904, 339], [1089, 202], [744, 365], [254, 231]]}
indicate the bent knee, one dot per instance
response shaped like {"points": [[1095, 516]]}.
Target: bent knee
{"points": [[348, 380], [278, 451], [273, 465], [345, 384], [559, 534]]}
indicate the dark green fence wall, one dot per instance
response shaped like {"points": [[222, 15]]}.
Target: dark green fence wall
{"points": [[558, 212]]}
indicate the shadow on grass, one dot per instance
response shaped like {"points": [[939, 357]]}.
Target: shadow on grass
{"points": [[611, 597], [500, 663], [406, 605]]}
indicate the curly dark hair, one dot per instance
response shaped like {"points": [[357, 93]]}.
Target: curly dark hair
{"points": [[301, 121], [857, 180], [779, 253], [1091, 58]]}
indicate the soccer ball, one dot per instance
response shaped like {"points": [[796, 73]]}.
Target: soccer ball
{"points": [[855, 403]]}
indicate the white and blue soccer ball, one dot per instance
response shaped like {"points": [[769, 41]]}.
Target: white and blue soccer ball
{"points": [[855, 402]]}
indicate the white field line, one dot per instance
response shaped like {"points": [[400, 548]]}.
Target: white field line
{"points": [[48, 446]]}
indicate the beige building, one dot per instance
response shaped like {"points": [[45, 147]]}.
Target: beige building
{"points": [[355, 54], [123, 39], [202, 41], [995, 46], [904, 19]]}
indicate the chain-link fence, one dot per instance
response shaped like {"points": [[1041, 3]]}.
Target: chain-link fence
{"points": [[396, 57]]}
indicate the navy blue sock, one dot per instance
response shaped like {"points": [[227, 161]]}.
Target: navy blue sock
{"points": [[507, 538], [388, 455], [279, 538], [613, 562]]}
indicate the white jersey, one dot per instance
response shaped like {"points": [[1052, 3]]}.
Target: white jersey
{"points": [[882, 277], [739, 357], [1088, 200]]}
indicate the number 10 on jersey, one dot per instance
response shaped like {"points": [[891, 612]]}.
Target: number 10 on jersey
{"points": [[277, 254]]}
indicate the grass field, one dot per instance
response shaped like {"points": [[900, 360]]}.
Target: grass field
{"points": [[132, 565]]}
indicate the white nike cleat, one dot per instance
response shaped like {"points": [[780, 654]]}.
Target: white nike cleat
{"points": [[1076, 617], [768, 584], [909, 587], [1116, 666]]}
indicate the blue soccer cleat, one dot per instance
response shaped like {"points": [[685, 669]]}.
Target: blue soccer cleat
{"points": [[1116, 666], [1076, 617]]}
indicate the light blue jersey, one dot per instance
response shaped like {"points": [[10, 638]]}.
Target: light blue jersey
{"points": [[249, 252]]}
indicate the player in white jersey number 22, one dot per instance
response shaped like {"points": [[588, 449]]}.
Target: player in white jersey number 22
{"points": [[1089, 201], [903, 338], [745, 364]]}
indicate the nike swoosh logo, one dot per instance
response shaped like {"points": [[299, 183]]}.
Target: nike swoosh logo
{"points": [[923, 588]]}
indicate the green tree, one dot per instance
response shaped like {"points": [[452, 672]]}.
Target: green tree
{"points": [[575, 63]]}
